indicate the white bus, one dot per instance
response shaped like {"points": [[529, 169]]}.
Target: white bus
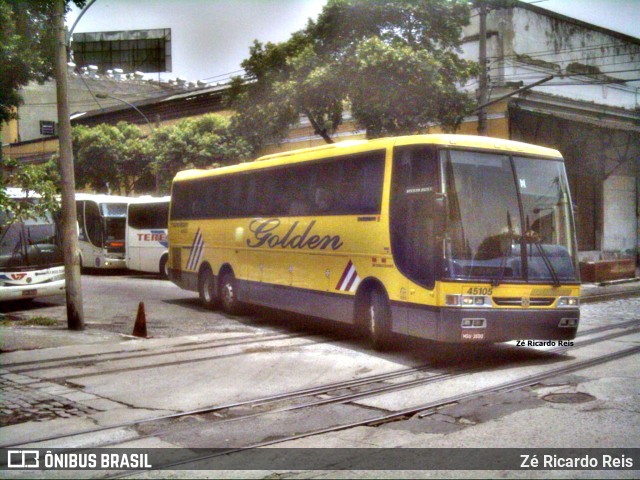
{"points": [[101, 230], [31, 258], [147, 245]]}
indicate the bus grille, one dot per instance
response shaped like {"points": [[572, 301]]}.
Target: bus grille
{"points": [[524, 301]]}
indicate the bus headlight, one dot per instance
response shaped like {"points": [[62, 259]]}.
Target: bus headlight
{"points": [[569, 302], [467, 301], [452, 300]]}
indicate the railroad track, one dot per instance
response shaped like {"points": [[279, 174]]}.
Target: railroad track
{"points": [[335, 393], [419, 411], [81, 361]]}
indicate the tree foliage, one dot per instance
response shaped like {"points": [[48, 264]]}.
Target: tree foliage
{"points": [[40, 181], [112, 157], [393, 63], [121, 159], [26, 54], [26, 48], [202, 142]]}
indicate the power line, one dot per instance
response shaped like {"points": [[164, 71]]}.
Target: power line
{"points": [[586, 74], [224, 75], [548, 52]]}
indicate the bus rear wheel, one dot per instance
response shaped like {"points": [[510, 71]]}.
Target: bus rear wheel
{"points": [[229, 294], [163, 268], [207, 290], [378, 320]]}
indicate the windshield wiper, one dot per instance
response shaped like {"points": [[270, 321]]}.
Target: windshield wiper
{"points": [[531, 237], [505, 257]]}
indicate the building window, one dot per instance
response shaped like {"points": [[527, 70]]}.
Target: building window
{"points": [[147, 51]]}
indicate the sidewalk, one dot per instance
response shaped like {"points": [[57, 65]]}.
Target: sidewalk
{"points": [[596, 292]]}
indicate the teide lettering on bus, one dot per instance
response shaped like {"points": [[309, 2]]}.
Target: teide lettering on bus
{"points": [[263, 234]]}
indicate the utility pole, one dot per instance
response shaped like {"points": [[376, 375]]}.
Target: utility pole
{"points": [[482, 84], [75, 313]]}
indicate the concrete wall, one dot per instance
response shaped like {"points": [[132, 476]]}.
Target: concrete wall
{"points": [[620, 214], [526, 45], [40, 101]]}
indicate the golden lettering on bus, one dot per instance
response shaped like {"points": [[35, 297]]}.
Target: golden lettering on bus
{"points": [[264, 234]]}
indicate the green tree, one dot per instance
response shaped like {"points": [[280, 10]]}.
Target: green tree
{"points": [[136, 161], [42, 180], [26, 48], [26, 54], [393, 63], [112, 158], [202, 142]]}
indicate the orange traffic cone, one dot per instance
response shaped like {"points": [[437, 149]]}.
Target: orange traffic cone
{"points": [[140, 327]]}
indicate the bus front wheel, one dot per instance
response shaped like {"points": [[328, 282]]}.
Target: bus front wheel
{"points": [[378, 320], [162, 268], [229, 294], [206, 289]]}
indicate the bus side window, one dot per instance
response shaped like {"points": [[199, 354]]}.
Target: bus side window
{"points": [[93, 223], [80, 216]]}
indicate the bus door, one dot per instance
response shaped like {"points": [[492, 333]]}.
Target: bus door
{"points": [[415, 238]]}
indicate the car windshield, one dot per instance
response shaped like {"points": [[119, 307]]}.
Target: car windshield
{"points": [[31, 243], [509, 218]]}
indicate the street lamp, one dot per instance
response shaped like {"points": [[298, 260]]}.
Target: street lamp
{"points": [[151, 129]]}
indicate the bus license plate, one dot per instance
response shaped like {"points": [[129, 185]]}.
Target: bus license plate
{"points": [[29, 293]]}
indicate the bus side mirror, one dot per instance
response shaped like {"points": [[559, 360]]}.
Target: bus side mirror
{"points": [[438, 209]]}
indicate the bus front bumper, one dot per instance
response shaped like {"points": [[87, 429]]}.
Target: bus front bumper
{"points": [[502, 325], [111, 263], [32, 291]]}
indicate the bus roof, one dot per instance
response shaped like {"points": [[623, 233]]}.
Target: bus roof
{"points": [[355, 146], [148, 199], [103, 198]]}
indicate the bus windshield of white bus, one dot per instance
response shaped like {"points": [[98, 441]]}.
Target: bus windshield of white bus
{"points": [[31, 243], [114, 209], [509, 218], [115, 218]]}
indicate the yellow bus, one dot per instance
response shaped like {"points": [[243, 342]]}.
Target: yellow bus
{"points": [[446, 237]]}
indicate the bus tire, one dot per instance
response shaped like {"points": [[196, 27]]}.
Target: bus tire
{"points": [[229, 293], [207, 289], [378, 320], [162, 268]]}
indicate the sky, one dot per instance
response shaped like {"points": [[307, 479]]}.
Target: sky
{"points": [[619, 15], [219, 33]]}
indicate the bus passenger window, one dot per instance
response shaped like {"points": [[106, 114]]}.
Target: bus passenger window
{"points": [[299, 205], [323, 199], [80, 217], [196, 209], [93, 223]]}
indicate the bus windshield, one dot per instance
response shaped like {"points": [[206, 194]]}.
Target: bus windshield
{"points": [[509, 218], [32, 243], [114, 209]]}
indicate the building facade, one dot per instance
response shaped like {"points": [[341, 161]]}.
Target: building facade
{"points": [[588, 107], [586, 104]]}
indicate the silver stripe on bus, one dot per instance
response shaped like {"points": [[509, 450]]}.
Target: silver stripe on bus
{"points": [[196, 251]]}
